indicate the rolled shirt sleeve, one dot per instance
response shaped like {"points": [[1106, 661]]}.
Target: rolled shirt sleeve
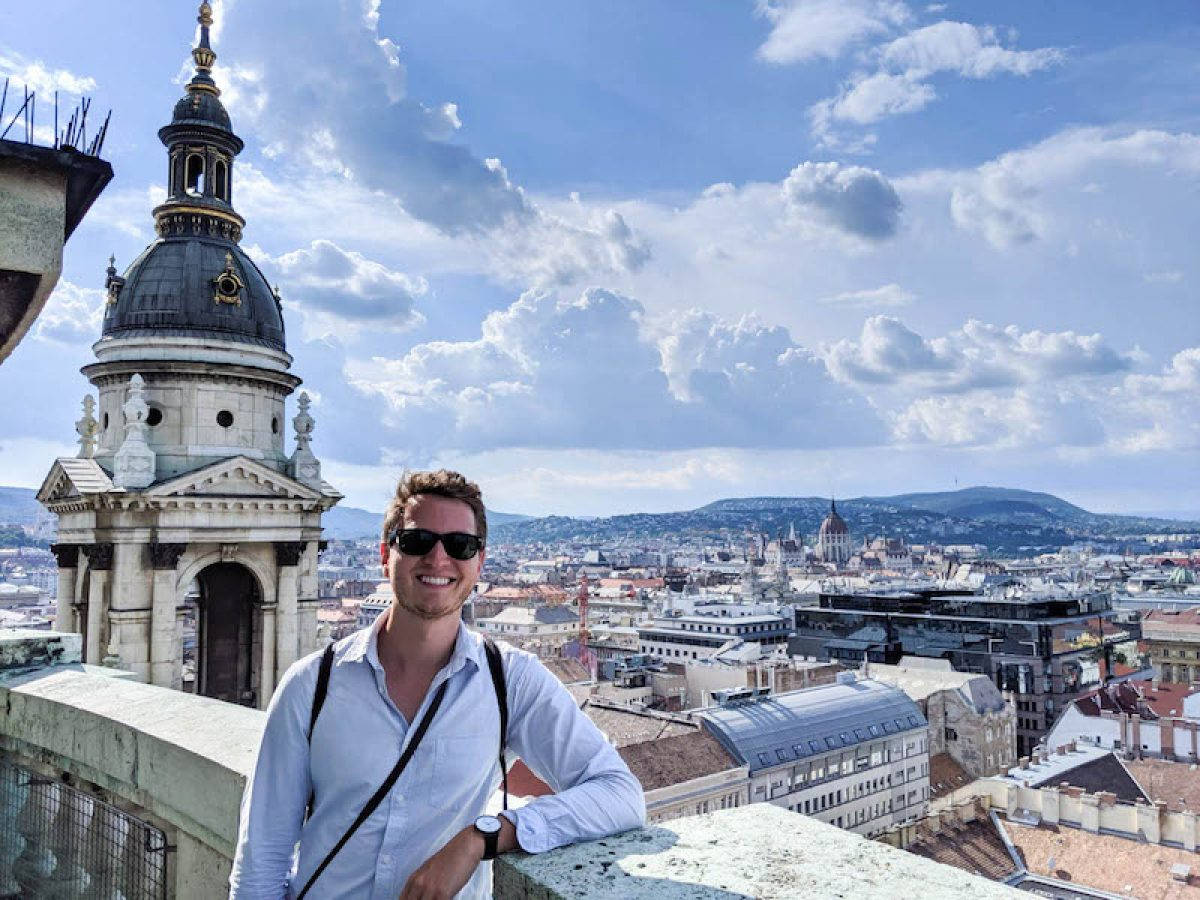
{"points": [[275, 798], [595, 793]]}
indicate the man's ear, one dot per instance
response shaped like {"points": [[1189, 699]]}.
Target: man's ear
{"points": [[384, 557]]}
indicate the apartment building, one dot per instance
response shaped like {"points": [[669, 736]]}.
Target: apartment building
{"points": [[854, 753], [685, 637]]}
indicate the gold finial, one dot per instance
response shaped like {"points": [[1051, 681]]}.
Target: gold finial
{"points": [[203, 54]]}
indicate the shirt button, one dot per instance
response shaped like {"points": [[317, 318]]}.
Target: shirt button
{"points": [[386, 859]]}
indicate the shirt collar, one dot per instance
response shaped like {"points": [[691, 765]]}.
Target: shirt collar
{"points": [[364, 646]]}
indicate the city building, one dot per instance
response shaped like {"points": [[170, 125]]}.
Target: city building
{"points": [[1172, 638], [680, 637], [1135, 718], [1043, 648], [854, 753], [542, 630], [968, 716], [183, 486], [833, 538]]}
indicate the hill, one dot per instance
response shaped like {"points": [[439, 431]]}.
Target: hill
{"points": [[1003, 519]]}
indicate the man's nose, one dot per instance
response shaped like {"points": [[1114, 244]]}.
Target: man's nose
{"points": [[437, 553]]}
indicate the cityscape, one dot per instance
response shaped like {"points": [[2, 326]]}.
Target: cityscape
{"points": [[748, 560]]}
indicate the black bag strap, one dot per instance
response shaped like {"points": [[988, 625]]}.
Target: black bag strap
{"points": [[318, 702], [384, 789], [496, 664], [322, 690]]}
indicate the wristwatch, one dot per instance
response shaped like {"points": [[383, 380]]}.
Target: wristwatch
{"points": [[489, 827]]}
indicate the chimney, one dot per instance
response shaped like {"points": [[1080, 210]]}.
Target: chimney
{"points": [[1023, 762], [1070, 746]]}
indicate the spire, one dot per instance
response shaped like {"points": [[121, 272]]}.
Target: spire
{"points": [[203, 55], [832, 505]]}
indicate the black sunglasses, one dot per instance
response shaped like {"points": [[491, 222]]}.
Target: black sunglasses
{"points": [[419, 541]]}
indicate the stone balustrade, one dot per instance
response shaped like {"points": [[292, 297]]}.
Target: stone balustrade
{"points": [[105, 744]]}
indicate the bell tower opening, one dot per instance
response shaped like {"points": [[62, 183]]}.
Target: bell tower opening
{"points": [[228, 650], [194, 177]]}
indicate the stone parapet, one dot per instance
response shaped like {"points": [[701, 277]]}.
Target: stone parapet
{"points": [[760, 851]]}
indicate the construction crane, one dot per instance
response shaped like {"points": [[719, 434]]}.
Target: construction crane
{"points": [[585, 652]]}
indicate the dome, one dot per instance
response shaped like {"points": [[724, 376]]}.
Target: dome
{"points": [[201, 108], [196, 287], [833, 524]]}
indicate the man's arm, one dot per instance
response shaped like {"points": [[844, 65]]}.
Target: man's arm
{"points": [[596, 794], [277, 793]]}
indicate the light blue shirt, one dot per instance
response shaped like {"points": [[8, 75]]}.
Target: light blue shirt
{"points": [[455, 770]]}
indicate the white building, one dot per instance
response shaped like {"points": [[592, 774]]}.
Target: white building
{"points": [[689, 637], [833, 538], [854, 753]]}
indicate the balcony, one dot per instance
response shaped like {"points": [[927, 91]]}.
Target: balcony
{"points": [[105, 780]]}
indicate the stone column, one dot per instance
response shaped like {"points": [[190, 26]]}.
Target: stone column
{"points": [[129, 610], [308, 602], [164, 647], [100, 560], [67, 556], [287, 560], [266, 679]]}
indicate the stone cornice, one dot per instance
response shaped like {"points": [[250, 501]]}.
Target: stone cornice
{"points": [[118, 372]]}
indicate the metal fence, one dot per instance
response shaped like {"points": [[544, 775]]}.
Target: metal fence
{"points": [[57, 841]]}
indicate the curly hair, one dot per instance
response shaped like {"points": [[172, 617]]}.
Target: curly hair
{"points": [[442, 483]]}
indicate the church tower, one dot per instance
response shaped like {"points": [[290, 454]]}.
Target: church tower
{"points": [[183, 507]]}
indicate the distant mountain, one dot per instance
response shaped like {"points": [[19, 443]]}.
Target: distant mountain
{"points": [[19, 506], [973, 501], [1002, 519], [346, 523]]}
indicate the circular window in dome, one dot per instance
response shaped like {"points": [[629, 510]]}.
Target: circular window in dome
{"points": [[274, 424], [154, 416], [224, 418]]}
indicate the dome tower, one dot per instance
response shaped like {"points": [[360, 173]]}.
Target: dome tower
{"points": [[193, 304], [183, 509], [833, 539]]}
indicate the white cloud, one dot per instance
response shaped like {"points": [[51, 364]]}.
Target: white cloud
{"points": [[338, 100], [40, 78], [344, 288], [968, 50], [1026, 417], [976, 356], [899, 81], [802, 30], [1172, 276], [593, 372], [890, 295], [857, 200], [72, 315]]}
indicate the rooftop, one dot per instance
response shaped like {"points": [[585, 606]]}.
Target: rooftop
{"points": [[798, 724], [1176, 784], [1114, 864], [675, 759]]}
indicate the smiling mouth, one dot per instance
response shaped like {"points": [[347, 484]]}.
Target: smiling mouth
{"points": [[434, 581]]}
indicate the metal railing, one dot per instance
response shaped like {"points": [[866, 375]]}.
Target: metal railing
{"points": [[57, 841]]}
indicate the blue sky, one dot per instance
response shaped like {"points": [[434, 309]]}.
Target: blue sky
{"points": [[642, 255]]}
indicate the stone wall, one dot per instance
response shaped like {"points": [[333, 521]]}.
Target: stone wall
{"points": [[757, 851], [177, 760]]}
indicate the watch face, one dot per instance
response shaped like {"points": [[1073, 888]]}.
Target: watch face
{"points": [[488, 824]]}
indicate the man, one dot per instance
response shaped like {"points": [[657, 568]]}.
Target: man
{"points": [[424, 840]]}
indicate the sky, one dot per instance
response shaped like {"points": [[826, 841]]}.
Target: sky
{"points": [[640, 255]]}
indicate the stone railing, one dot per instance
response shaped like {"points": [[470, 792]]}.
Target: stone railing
{"points": [[176, 761], [179, 763]]}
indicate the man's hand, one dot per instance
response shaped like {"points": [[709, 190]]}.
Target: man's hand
{"points": [[446, 872]]}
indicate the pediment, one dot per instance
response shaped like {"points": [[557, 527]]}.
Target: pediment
{"points": [[72, 478], [236, 477]]}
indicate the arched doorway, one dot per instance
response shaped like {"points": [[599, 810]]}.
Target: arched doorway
{"points": [[228, 647]]}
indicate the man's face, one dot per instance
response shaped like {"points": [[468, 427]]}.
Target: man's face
{"points": [[436, 584]]}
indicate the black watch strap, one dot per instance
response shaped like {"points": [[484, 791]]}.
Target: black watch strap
{"points": [[490, 843]]}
